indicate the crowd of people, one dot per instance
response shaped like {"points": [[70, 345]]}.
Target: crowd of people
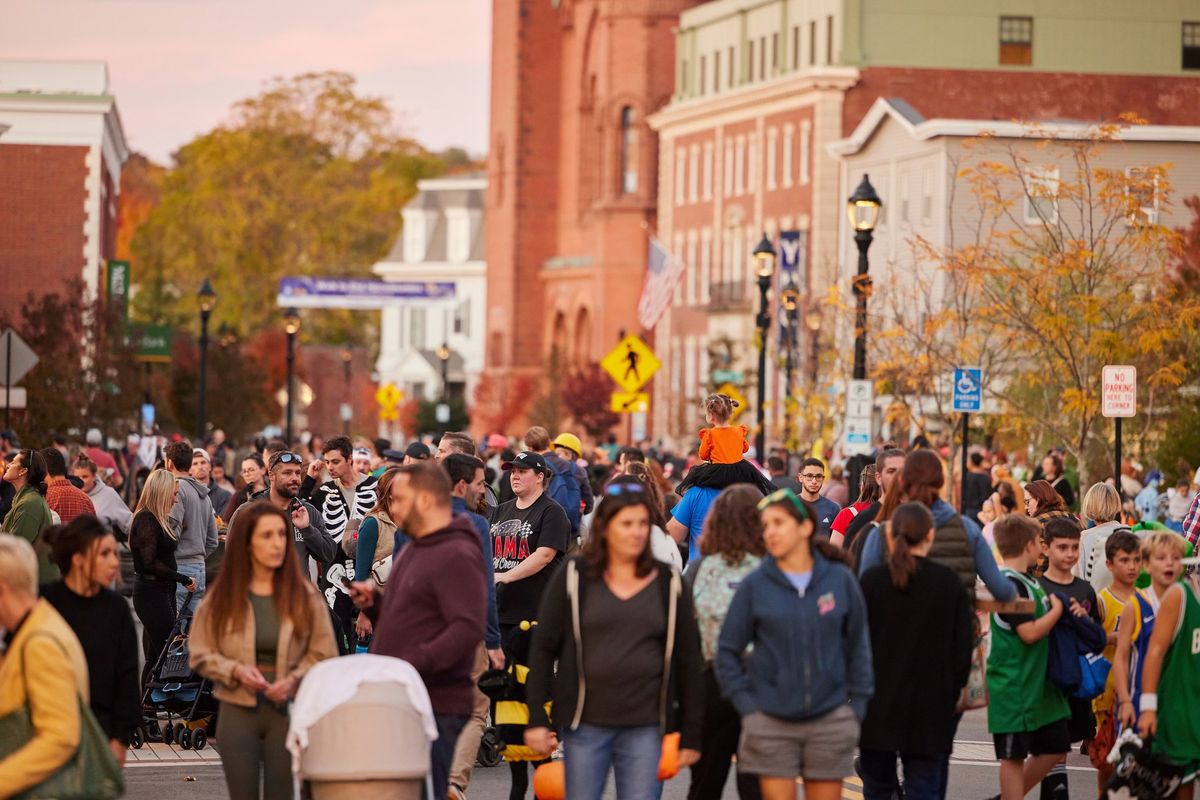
{"points": [[640, 604]]}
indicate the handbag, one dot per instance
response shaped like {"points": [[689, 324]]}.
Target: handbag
{"points": [[1093, 670], [380, 571], [91, 774], [975, 694], [1141, 775]]}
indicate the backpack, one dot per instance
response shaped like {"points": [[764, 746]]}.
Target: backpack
{"points": [[564, 490]]}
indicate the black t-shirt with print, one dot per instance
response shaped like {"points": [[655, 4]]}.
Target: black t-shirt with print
{"points": [[516, 534]]}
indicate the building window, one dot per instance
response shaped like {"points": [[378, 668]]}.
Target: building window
{"points": [[705, 263], [1041, 195], [416, 328], [789, 141], [693, 270], [829, 40], [677, 252], [812, 43], [694, 173], [750, 60], [752, 163], [805, 136], [462, 317], [708, 171], [683, 76], [762, 58], [414, 238], [1191, 45], [1016, 41], [927, 195], [716, 70], [774, 53], [629, 151], [703, 74], [728, 161], [732, 67], [739, 167], [1143, 193], [904, 216], [795, 47], [772, 157], [680, 176], [458, 236]]}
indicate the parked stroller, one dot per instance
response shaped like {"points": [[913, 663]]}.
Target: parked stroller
{"points": [[360, 729], [177, 696]]}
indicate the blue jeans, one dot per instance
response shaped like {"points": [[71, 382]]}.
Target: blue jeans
{"points": [[631, 753], [922, 775], [441, 751], [193, 568]]}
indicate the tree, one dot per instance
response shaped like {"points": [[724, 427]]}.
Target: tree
{"points": [[547, 409], [1066, 272], [426, 417], [587, 393], [306, 178], [141, 188], [499, 402]]}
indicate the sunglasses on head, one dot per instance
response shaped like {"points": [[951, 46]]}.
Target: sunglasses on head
{"points": [[285, 458], [615, 489], [781, 496]]}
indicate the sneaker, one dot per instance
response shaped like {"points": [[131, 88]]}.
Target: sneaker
{"points": [[455, 793]]}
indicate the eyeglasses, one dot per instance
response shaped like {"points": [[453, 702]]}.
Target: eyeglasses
{"points": [[812, 476], [614, 489], [285, 458], [781, 496]]}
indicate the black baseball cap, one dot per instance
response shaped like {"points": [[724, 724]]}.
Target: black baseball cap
{"points": [[417, 450], [529, 460], [393, 455]]}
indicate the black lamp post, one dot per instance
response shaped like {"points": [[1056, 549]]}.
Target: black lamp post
{"points": [[443, 354], [291, 324], [789, 299], [347, 357], [764, 265], [208, 299], [863, 209], [813, 320]]}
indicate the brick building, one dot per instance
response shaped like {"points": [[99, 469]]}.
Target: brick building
{"points": [[572, 173], [763, 88], [60, 174]]}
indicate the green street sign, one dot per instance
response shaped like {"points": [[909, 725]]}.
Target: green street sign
{"points": [[727, 376], [153, 342], [118, 288]]}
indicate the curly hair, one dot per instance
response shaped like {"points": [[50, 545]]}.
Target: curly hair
{"points": [[733, 527]]}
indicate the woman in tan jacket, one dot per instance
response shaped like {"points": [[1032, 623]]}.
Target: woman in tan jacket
{"points": [[258, 631], [43, 668]]}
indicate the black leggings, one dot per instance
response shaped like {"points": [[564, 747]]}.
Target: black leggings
{"points": [[154, 602], [520, 777], [718, 745]]}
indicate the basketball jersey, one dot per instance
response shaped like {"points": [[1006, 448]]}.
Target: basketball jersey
{"points": [[1143, 626], [1111, 607], [1178, 713]]}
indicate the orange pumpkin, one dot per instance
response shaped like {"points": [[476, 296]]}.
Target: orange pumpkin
{"points": [[550, 781], [668, 763]]}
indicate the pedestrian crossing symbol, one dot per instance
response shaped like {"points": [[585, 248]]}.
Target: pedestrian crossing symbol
{"points": [[631, 364]]}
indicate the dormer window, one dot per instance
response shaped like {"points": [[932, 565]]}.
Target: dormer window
{"points": [[416, 237], [458, 235]]}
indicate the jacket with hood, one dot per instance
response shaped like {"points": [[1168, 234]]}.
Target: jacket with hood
{"points": [[311, 542], [111, 509], [985, 563], [812, 651], [558, 638], [195, 520], [432, 622]]}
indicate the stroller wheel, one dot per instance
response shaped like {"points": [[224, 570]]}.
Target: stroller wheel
{"points": [[180, 729], [490, 748], [199, 739], [185, 739], [168, 733], [135, 739]]}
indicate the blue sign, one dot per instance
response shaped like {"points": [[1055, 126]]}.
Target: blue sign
{"points": [[968, 389], [793, 252], [359, 293]]}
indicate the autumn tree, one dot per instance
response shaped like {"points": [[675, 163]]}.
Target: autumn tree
{"points": [[306, 178], [1066, 270], [498, 402], [587, 393]]}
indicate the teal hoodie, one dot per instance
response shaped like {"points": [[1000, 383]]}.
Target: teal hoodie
{"points": [[812, 651]]}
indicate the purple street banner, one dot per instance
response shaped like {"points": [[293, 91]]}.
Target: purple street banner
{"points": [[358, 293]]}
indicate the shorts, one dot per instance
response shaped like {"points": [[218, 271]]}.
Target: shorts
{"points": [[820, 749], [1051, 739]]}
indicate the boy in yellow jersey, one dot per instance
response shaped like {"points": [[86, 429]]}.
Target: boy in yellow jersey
{"points": [[1122, 554]]}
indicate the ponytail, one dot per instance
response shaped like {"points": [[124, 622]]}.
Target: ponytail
{"points": [[908, 527]]}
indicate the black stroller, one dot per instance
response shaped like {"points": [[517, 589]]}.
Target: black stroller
{"points": [[176, 695]]}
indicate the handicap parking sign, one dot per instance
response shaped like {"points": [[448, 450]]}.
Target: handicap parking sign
{"points": [[968, 389]]}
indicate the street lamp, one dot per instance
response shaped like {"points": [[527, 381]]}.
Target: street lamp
{"points": [[347, 357], [443, 354], [789, 299], [208, 299], [813, 320], [291, 324], [764, 265], [863, 210]]}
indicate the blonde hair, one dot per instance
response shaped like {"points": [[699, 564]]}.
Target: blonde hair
{"points": [[1167, 539], [18, 565], [721, 406], [1101, 503], [158, 498]]}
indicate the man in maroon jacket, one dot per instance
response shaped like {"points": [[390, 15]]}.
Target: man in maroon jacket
{"points": [[433, 610]]}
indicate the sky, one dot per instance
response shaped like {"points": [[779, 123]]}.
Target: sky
{"points": [[177, 66]]}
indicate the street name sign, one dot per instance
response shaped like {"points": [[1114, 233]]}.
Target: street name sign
{"points": [[859, 420], [1119, 395], [968, 390], [631, 364]]}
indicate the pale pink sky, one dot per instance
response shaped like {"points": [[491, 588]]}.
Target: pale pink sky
{"points": [[176, 66]]}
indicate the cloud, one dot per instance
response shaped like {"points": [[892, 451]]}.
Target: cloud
{"points": [[176, 66]]}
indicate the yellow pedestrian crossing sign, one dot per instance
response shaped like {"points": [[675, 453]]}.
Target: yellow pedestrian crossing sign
{"points": [[630, 402], [631, 363], [731, 391], [389, 397]]}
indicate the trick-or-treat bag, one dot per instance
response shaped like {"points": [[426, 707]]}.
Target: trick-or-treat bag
{"points": [[1140, 774]]}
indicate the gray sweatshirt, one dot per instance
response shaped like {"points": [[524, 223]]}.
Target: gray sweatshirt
{"points": [[195, 520]]}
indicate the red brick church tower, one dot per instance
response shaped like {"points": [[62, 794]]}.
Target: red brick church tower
{"points": [[572, 173]]}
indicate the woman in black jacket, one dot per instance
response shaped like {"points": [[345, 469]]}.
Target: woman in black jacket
{"points": [[85, 551], [922, 634], [622, 630]]}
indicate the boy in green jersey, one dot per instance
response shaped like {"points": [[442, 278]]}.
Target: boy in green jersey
{"points": [[1027, 714]]}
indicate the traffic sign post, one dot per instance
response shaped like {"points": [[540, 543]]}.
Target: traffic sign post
{"points": [[968, 397], [631, 364], [629, 402], [1118, 400], [860, 405], [16, 359]]}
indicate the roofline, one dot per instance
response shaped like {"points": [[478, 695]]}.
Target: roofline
{"points": [[883, 109], [452, 183]]}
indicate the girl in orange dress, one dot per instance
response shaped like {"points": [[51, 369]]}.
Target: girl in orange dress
{"points": [[721, 449]]}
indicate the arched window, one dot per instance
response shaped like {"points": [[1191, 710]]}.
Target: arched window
{"points": [[629, 152]]}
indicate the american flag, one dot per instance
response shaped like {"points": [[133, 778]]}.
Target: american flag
{"points": [[663, 271]]}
